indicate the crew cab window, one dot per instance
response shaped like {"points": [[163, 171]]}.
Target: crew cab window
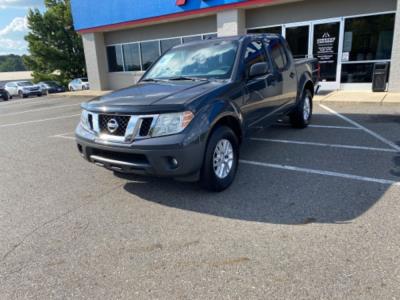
{"points": [[278, 54], [255, 53]]}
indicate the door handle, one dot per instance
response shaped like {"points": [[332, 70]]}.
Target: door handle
{"points": [[292, 74]]}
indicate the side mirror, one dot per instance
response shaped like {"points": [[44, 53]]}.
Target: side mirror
{"points": [[258, 69]]}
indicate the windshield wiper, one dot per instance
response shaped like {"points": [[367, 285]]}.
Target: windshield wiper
{"points": [[150, 80], [177, 78]]}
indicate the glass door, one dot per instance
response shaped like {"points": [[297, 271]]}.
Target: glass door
{"points": [[326, 40], [298, 38]]}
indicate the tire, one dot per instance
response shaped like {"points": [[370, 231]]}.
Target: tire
{"points": [[39, 95], [214, 175], [6, 96], [302, 114], [21, 95]]}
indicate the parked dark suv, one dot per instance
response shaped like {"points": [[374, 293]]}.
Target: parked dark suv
{"points": [[188, 115]]}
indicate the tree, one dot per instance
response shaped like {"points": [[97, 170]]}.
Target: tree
{"points": [[56, 50], [11, 63]]}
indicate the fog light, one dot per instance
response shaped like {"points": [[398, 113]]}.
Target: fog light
{"points": [[174, 162]]}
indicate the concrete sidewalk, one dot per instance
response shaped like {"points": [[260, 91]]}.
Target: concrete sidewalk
{"points": [[359, 97], [336, 96]]}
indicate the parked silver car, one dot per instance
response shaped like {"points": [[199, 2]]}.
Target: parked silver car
{"points": [[23, 89], [79, 84]]}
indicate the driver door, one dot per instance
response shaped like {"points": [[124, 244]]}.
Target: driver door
{"points": [[260, 92]]}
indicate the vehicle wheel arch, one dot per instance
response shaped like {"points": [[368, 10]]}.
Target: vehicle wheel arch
{"points": [[305, 83], [230, 120]]}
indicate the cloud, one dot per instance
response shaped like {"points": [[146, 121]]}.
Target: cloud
{"points": [[20, 3], [12, 36], [18, 24], [10, 44]]}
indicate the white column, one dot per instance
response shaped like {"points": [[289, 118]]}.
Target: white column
{"points": [[96, 60], [394, 79], [231, 22]]}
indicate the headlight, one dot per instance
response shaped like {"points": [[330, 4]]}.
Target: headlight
{"points": [[172, 123], [85, 120]]}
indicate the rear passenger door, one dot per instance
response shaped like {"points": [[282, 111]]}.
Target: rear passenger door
{"points": [[261, 92], [284, 71]]}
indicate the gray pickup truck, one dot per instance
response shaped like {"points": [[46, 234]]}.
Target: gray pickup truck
{"points": [[188, 115]]}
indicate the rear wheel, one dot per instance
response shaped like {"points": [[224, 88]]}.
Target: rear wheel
{"points": [[6, 96], [221, 160], [301, 116]]}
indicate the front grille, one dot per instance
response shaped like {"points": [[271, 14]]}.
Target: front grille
{"points": [[122, 122], [145, 127]]}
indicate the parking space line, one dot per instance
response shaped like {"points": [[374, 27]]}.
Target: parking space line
{"points": [[16, 103], [38, 121], [323, 145], [38, 109], [63, 137], [334, 127], [370, 132], [321, 172]]}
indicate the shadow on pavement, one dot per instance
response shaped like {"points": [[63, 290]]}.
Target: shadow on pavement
{"points": [[272, 196], [269, 196]]}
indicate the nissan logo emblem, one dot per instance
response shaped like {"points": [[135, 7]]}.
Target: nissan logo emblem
{"points": [[112, 125]]}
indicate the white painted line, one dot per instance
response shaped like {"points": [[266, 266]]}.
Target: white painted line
{"points": [[321, 172], [323, 145], [321, 126], [38, 121], [334, 127], [374, 134], [38, 109], [21, 102], [63, 137]]}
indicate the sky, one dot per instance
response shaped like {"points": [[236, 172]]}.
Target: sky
{"points": [[13, 25]]}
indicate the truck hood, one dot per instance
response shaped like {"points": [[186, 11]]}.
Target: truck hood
{"points": [[148, 97]]}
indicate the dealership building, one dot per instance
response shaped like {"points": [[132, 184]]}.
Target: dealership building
{"points": [[353, 39]]}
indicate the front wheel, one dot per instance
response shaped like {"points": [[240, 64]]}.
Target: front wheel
{"points": [[221, 160], [301, 116]]}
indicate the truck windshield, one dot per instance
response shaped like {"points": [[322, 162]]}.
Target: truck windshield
{"points": [[196, 61]]}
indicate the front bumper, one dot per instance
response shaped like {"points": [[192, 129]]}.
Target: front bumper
{"points": [[153, 156], [32, 93]]}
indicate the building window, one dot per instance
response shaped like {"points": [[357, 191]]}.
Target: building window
{"points": [[275, 30], [168, 44], [357, 73], [150, 53], [209, 36], [114, 56], [189, 39], [131, 57], [368, 38], [141, 55]]}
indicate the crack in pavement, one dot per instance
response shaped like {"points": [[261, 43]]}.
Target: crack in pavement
{"points": [[32, 232]]}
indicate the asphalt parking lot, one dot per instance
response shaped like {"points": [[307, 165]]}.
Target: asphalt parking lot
{"points": [[313, 213]]}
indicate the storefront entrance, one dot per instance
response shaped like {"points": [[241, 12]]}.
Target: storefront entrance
{"points": [[321, 40]]}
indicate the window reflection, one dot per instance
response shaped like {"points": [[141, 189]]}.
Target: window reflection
{"points": [[369, 38], [150, 53], [168, 44], [275, 30], [115, 61], [131, 56], [199, 60]]}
